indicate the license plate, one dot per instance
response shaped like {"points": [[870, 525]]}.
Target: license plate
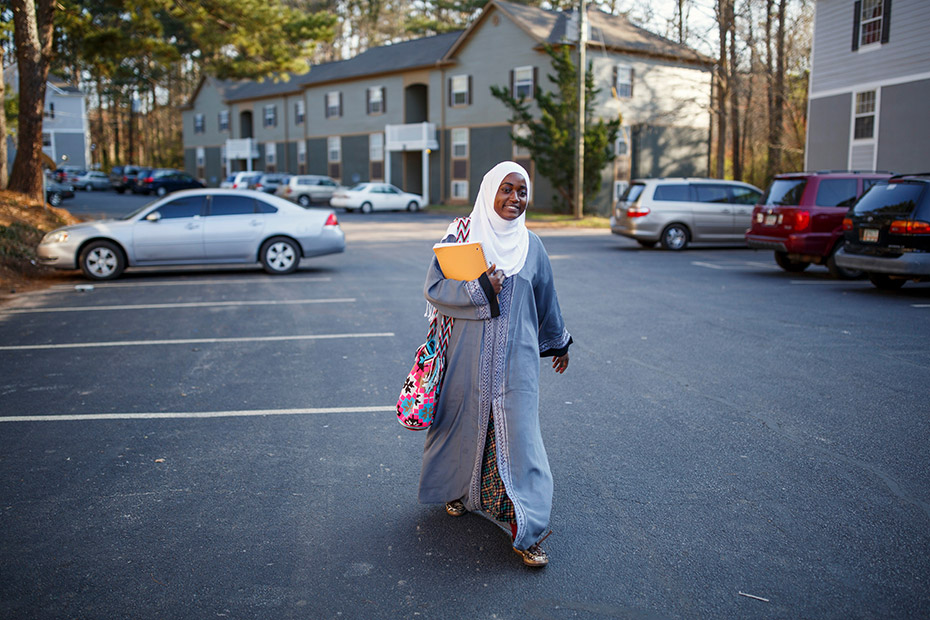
{"points": [[770, 219], [869, 234]]}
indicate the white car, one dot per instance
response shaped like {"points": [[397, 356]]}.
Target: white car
{"points": [[240, 180], [368, 197], [91, 180]]}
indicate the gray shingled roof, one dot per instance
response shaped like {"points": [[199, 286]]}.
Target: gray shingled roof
{"points": [[394, 57]]}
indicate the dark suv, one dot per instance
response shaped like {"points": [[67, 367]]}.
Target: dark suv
{"points": [[887, 233], [123, 177], [801, 216]]}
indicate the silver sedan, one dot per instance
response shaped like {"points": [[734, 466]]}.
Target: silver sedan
{"points": [[198, 226]]}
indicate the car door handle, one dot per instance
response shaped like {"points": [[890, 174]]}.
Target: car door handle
{"points": [[192, 226], [256, 223]]}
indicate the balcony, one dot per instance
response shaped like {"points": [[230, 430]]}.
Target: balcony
{"points": [[242, 148], [411, 137]]}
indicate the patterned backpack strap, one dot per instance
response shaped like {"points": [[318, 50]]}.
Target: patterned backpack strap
{"points": [[463, 228]]}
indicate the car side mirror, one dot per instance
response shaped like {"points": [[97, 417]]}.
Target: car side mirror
{"points": [[154, 216]]}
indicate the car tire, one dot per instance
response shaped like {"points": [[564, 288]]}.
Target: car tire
{"points": [[413, 206], [304, 201], [54, 199], [88, 188], [675, 237], [646, 244], [280, 255], [161, 191], [102, 260], [366, 207], [841, 273], [120, 190], [791, 266], [885, 283]]}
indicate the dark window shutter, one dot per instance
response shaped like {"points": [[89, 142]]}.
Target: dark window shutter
{"points": [[513, 86], [383, 99], [613, 86], [325, 106], [340, 103], [368, 101], [886, 21], [468, 99], [276, 116], [450, 92], [857, 12], [632, 79], [535, 81]]}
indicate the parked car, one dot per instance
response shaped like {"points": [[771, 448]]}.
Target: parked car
{"points": [[887, 232], [197, 226], [164, 181], [308, 189], [801, 216], [136, 186], [91, 180], [368, 197], [123, 177], [68, 173], [678, 211], [269, 182], [55, 192], [240, 180]]}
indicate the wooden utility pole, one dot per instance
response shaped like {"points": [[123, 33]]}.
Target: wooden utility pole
{"points": [[582, 73]]}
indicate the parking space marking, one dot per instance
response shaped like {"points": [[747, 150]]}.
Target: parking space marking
{"points": [[920, 305], [194, 414], [192, 304], [834, 282], [733, 266], [192, 282], [143, 343]]}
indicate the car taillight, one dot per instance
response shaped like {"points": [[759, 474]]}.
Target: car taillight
{"points": [[909, 227], [802, 220], [287, 190], [258, 186], [148, 180], [847, 223], [235, 185], [637, 211], [331, 220]]}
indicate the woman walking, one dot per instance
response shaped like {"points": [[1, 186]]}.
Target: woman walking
{"points": [[484, 451]]}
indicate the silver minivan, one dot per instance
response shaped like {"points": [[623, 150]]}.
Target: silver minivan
{"points": [[678, 211], [308, 189]]}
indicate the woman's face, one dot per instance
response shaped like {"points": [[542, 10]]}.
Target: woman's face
{"points": [[510, 200]]}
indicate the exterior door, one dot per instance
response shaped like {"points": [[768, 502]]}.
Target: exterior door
{"points": [[172, 232]]}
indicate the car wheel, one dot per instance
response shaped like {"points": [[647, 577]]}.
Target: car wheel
{"points": [[161, 191], [793, 266], [841, 273], [120, 190], [102, 260], [54, 199], [88, 188], [675, 237], [646, 244], [413, 206], [303, 201], [366, 207], [280, 255], [885, 283]]}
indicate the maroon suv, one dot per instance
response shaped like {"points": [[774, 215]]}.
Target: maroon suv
{"points": [[800, 217]]}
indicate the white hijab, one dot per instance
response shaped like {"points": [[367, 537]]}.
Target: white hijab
{"points": [[505, 242]]}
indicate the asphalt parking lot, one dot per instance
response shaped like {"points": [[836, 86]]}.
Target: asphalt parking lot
{"points": [[729, 441]]}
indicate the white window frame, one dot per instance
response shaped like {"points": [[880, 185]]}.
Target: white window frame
{"points": [[520, 152], [376, 100], [460, 90], [270, 115], [459, 138], [623, 85], [858, 113], [47, 139], [201, 155], [376, 147], [460, 190], [523, 77], [332, 109], [300, 112], [863, 21], [199, 123], [223, 120], [223, 159], [864, 142], [301, 152], [270, 152], [50, 112], [334, 149], [622, 145]]}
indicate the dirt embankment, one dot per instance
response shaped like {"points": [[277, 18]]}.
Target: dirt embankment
{"points": [[22, 225]]}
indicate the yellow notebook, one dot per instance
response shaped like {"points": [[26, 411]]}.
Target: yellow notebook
{"points": [[461, 261]]}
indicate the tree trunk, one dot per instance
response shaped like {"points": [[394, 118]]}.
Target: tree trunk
{"points": [[776, 139], [734, 97], [4, 173], [32, 20], [722, 87]]}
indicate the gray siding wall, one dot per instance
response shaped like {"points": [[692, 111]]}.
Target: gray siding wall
{"points": [[836, 66], [354, 159], [316, 156], [72, 145], [209, 102], [213, 170], [355, 118], [828, 133], [669, 152], [904, 128]]}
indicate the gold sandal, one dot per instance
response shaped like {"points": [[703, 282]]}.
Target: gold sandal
{"points": [[534, 556], [456, 508]]}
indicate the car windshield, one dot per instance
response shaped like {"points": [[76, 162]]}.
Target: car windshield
{"points": [[890, 199], [132, 214], [785, 192]]}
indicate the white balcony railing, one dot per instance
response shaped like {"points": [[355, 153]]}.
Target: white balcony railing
{"points": [[411, 137], [241, 148]]}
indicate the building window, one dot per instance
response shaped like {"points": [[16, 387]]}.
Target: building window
{"points": [[622, 146], [333, 104], [299, 113], [460, 90], [223, 120], [46, 139], [198, 123], [523, 82], [271, 116], [50, 113], [302, 157], [223, 157], [521, 152], [269, 156], [460, 190], [376, 156], [200, 155], [334, 156], [460, 142], [871, 17], [376, 100], [864, 128], [623, 81]]}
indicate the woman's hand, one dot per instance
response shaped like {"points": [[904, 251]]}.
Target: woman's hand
{"points": [[560, 363], [496, 277]]}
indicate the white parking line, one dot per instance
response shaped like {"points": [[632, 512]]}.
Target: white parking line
{"points": [[193, 414], [698, 263], [191, 282], [834, 282], [920, 305], [141, 343], [193, 304]]}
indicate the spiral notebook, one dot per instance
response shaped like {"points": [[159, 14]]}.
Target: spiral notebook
{"points": [[461, 261]]}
